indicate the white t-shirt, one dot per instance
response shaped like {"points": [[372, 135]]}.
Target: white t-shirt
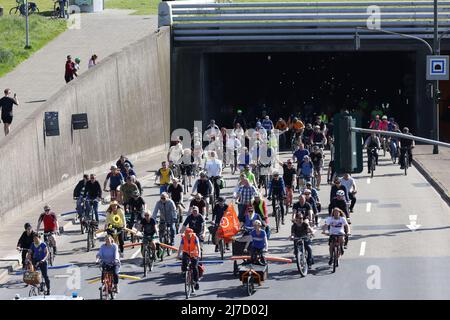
{"points": [[348, 184], [175, 152], [337, 225]]}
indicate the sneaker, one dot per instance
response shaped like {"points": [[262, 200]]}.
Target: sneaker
{"points": [[54, 250], [282, 222], [349, 222], [196, 286], [351, 210], [216, 249], [402, 168]]}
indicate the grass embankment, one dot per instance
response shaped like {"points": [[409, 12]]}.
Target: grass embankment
{"points": [[12, 40], [142, 7]]}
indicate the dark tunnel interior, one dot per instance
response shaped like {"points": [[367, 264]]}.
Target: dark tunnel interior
{"points": [[310, 83]]}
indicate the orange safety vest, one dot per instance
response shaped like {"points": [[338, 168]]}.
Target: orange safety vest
{"points": [[190, 247]]}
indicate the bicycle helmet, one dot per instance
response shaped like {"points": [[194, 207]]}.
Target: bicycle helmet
{"points": [[77, 60], [315, 148], [340, 193], [46, 207], [275, 174], [308, 191], [384, 118], [405, 130], [306, 157]]}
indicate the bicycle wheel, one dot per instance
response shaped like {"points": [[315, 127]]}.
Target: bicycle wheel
{"points": [[221, 248], [250, 285], [372, 167], [335, 256], [406, 162], [302, 265], [235, 268], [92, 230], [51, 256], [188, 284], [82, 225], [151, 260], [145, 261], [88, 245], [34, 291], [277, 218]]}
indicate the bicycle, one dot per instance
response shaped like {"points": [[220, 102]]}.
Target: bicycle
{"points": [[335, 251], [91, 228], [301, 255], [277, 213], [34, 279], [20, 9], [372, 161], [50, 246], [384, 144], [149, 255], [234, 164], [56, 11], [189, 282], [393, 150], [406, 163], [106, 288], [164, 237]]}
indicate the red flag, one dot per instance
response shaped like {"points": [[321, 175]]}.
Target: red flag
{"points": [[229, 225]]}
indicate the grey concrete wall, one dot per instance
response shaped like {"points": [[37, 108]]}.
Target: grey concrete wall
{"points": [[127, 99]]}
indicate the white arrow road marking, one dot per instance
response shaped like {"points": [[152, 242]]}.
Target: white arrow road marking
{"points": [[362, 251], [413, 226], [136, 253], [368, 180], [368, 206]]}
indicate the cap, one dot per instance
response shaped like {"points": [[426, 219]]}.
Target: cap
{"points": [[275, 173], [198, 195], [309, 191], [340, 193], [113, 167], [46, 207], [77, 60], [384, 118]]}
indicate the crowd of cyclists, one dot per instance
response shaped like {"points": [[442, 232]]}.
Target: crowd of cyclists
{"points": [[190, 183]]}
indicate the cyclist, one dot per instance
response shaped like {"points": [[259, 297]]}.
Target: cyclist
{"points": [[394, 142], [277, 190], [78, 194], [175, 152], [108, 256], [249, 175], [164, 174], [121, 163], [339, 202], [260, 207], [127, 189], [373, 145], [196, 222], [149, 232], [350, 186], [267, 124], [384, 125], [240, 119], [312, 202], [336, 187], [301, 229], [51, 225], [190, 250], [187, 166], [93, 194], [406, 145], [317, 161], [249, 219], [137, 207], [204, 187], [259, 243], [338, 228], [217, 215], [127, 171], [168, 215], [331, 173], [299, 154], [282, 126], [305, 170], [321, 124], [213, 168], [25, 241], [375, 124], [38, 255], [239, 132], [175, 192], [307, 133], [302, 207], [115, 179], [200, 203], [318, 138], [115, 219], [289, 177], [298, 128], [244, 195]]}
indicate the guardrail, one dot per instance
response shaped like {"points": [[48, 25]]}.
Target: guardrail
{"points": [[209, 21]]}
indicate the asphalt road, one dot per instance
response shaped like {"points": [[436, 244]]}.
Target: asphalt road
{"points": [[384, 260]]}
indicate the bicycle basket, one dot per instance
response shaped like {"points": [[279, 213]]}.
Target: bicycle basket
{"points": [[32, 277]]}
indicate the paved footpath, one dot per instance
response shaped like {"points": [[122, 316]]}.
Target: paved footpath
{"points": [[42, 75], [435, 168]]}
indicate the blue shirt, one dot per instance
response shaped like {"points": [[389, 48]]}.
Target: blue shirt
{"points": [[39, 251], [306, 169], [258, 241], [267, 124], [299, 154], [115, 180], [248, 224], [108, 254]]}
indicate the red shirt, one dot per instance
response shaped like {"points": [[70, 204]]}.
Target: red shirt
{"points": [[70, 67], [49, 221]]}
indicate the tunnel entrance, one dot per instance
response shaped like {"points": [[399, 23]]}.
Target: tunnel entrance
{"points": [[310, 83]]}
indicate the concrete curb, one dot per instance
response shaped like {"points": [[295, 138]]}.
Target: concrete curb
{"points": [[4, 272], [435, 183]]}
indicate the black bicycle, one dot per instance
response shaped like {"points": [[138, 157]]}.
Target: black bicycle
{"points": [[164, 237], [20, 9], [56, 14], [372, 161], [48, 236], [90, 225], [277, 213], [189, 282], [149, 255], [301, 255], [406, 161]]}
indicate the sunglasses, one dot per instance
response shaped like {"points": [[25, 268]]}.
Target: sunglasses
{"points": [[47, 210], [146, 215]]}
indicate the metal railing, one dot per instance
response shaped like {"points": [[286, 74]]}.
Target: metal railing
{"points": [[205, 20]]}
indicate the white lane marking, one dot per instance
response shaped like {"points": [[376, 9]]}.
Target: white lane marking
{"points": [[61, 276], [362, 251], [136, 253], [368, 180], [368, 206]]}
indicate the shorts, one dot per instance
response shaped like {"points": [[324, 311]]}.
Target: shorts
{"points": [[317, 169], [186, 170], [7, 119]]}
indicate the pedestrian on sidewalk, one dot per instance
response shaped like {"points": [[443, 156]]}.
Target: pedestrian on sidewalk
{"points": [[70, 69], [92, 61], [6, 104]]}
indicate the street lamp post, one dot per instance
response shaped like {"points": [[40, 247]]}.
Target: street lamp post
{"points": [[27, 40]]}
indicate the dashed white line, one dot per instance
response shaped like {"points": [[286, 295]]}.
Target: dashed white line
{"points": [[368, 206], [362, 251], [136, 253], [368, 180]]}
